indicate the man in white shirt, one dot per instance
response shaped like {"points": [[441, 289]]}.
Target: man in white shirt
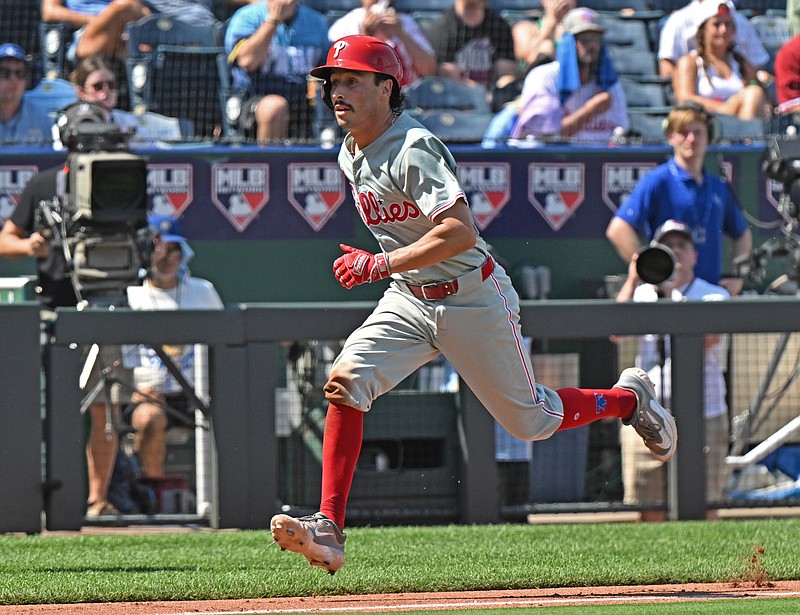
{"points": [[578, 96], [168, 287], [643, 477], [677, 38], [401, 31]]}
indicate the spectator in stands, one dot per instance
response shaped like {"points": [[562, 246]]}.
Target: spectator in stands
{"points": [[95, 82], [715, 75], [21, 121], [474, 44], [168, 287], [271, 47], [787, 76], [579, 95], [643, 477], [680, 189], [100, 24], [380, 19], [793, 16], [678, 37], [535, 41]]}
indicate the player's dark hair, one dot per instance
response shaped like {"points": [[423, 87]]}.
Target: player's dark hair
{"points": [[397, 99]]}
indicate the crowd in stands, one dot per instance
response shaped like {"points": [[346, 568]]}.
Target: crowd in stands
{"points": [[551, 72]]}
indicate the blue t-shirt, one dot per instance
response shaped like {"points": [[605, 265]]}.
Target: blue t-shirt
{"points": [[709, 209], [90, 7], [199, 12], [294, 50], [31, 125]]}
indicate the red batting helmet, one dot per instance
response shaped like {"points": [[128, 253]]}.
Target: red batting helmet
{"points": [[362, 53]]}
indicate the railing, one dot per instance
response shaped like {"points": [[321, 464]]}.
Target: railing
{"points": [[243, 343]]}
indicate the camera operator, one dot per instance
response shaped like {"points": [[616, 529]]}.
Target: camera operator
{"points": [[26, 234], [681, 190]]}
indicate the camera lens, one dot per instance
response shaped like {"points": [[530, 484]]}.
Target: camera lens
{"points": [[655, 264]]}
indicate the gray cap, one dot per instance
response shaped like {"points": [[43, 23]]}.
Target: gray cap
{"points": [[582, 20], [673, 226]]}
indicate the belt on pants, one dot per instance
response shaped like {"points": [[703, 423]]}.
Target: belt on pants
{"points": [[436, 291]]}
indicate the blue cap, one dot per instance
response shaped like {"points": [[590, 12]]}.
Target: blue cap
{"points": [[167, 228], [13, 52]]}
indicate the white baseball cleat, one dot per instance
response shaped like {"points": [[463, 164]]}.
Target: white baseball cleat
{"points": [[315, 536], [651, 420]]}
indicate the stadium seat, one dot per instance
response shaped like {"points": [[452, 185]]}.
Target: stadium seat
{"points": [[55, 38], [773, 32], [645, 95], [639, 65], [614, 6], [760, 5], [149, 32], [52, 95], [178, 70], [628, 33], [410, 6], [733, 129], [454, 126], [516, 5], [19, 23], [436, 93], [646, 128], [182, 82]]}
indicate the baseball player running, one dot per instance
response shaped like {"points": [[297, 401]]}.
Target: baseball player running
{"points": [[447, 295]]}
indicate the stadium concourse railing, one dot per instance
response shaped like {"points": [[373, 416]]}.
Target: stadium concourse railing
{"points": [[243, 346]]}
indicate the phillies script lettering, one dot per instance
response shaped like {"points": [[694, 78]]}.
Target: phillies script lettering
{"points": [[375, 212]]}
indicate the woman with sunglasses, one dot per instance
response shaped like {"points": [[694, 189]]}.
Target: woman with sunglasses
{"points": [[96, 82]]}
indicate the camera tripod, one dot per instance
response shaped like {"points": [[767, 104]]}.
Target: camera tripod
{"points": [[752, 419]]}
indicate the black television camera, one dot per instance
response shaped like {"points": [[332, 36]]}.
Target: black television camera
{"points": [[782, 164], [99, 215]]}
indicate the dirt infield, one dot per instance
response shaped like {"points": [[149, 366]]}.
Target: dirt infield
{"points": [[429, 601]]}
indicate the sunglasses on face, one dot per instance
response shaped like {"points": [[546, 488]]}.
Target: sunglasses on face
{"points": [[19, 73], [102, 85]]}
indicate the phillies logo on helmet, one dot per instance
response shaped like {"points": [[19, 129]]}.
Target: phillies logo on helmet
{"points": [[170, 188], [619, 180], [12, 182], [487, 186], [240, 191], [338, 46], [556, 190], [315, 190]]}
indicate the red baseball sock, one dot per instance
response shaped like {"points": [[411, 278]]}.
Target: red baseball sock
{"points": [[341, 446], [584, 406]]}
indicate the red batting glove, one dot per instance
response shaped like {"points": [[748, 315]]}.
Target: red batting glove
{"points": [[357, 266]]}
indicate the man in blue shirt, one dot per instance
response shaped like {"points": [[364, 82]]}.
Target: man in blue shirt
{"points": [[20, 120], [681, 190], [272, 46]]}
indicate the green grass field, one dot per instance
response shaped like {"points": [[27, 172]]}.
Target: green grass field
{"points": [[214, 565]]}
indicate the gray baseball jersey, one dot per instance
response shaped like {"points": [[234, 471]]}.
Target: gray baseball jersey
{"points": [[400, 182]]}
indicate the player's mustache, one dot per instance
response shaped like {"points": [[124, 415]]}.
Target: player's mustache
{"points": [[341, 103]]}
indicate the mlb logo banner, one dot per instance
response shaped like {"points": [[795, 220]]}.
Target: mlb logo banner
{"points": [[619, 180], [556, 190], [315, 190], [170, 188], [240, 191], [12, 182], [487, 186]]}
